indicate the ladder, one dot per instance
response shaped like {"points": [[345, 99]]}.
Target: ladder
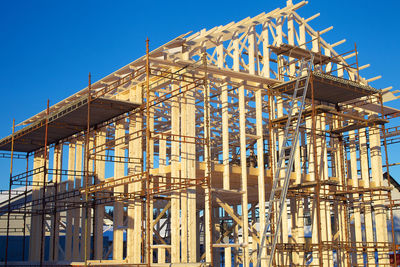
{"points": [[287, 150]]}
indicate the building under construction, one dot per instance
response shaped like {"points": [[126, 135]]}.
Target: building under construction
{"points": [[254, 143]]}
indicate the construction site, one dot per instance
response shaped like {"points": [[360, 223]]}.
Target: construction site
{"points": [[256, 143]]}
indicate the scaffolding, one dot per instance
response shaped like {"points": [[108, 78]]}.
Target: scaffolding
{"points": [[179, 150]]}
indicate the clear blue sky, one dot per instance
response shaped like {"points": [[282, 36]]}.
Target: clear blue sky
{"points": [[47, 48]]}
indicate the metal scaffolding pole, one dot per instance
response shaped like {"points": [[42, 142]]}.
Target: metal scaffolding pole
{"points": [[9, 192]]}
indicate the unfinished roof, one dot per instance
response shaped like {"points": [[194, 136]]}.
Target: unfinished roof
{"points": [[66, 122], [187, 49]]}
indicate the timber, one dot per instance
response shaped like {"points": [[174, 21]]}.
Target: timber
{"points": [[171, 160]]}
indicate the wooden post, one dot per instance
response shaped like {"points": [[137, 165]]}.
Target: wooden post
{"points": [[377, 180], [36, 222], [55, 225], [175, 173], [99, 209], [118, 214], [369, 235], [136, 148], [356, 204], [77, 211], [70, 212]]}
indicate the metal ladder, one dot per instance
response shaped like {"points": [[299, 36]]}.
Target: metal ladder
{"points": [[291, 137]]}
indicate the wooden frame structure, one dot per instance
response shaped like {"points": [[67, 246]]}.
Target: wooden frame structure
{"points": [[185, 167]]}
